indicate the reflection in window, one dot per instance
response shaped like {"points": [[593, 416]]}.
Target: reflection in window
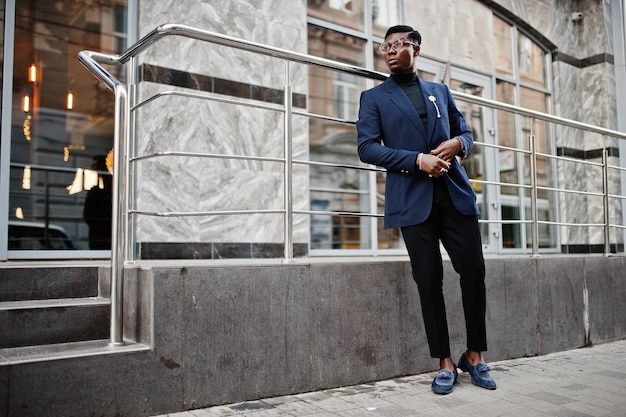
{"points": [[61, 116], [502, 41], [348, 13], [346, 96], [531, 61], [336, 95], [385, 13], [526, 88]]}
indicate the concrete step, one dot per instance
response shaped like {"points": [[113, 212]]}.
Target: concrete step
{"points": [[29, 354], [40, 283], [53, 321]]}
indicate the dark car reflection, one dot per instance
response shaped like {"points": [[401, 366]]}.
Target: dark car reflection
{"points": [[36, 236]]}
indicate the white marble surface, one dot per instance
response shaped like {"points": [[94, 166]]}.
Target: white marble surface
{"points": [[173, 184]]}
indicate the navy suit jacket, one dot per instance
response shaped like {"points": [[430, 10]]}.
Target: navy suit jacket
{"points": [[391, 134]]}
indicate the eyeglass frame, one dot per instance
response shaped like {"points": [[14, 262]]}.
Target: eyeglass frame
{"points": [[388, 46]]}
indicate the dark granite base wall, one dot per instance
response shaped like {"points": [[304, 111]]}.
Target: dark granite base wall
{"points": [[571, 249], [224, 334]]}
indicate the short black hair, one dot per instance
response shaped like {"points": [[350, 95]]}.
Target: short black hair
{"points": [[413, 34]]}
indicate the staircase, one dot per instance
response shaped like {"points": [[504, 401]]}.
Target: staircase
{"points": [[53, 311]]}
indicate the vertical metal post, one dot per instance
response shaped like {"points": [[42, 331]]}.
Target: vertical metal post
{"points": [[533, 193], [605, 197], [119, 210], [131, 149], [288, 191]]}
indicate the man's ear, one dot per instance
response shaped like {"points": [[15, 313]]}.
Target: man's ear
{"points": [[417, 51]]}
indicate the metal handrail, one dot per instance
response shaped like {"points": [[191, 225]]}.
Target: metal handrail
{"points": [[93, 61]]}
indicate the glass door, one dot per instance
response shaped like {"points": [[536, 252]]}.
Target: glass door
{"points": [[57, 188], [479, 165]]}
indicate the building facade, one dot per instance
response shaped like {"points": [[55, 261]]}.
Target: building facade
{"points": [[564, 58]]}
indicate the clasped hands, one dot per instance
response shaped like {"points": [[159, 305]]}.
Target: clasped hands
{"points": [[437, 162]]}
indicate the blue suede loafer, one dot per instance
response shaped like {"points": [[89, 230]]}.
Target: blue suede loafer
{"points": [[444, 381], [479, 373]]}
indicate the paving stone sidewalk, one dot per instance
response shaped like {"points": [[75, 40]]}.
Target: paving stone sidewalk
{"points": [[576, 383]]}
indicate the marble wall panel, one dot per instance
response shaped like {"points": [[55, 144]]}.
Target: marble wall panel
{"points": [[175, 184], [276, 23], [568, 88]]}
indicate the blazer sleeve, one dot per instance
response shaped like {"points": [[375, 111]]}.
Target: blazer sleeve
{"points": [[371, 139], [458, 125]]}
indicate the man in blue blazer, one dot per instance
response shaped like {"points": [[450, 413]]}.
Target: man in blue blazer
{"points": [[413, 129]]}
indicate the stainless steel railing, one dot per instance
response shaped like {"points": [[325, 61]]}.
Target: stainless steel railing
{"points": [[122, 235]]}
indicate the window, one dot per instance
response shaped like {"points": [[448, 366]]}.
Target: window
{"points": [[346, 96], [337, 31], [522, 79]]}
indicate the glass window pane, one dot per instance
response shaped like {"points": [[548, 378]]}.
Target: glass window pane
{"points": [[503, 47], [387, 238], [475, 163], [508, 164], [531, 61], [379, 60], [385, 13], [61, 121], [427, 76], [348, 13]]}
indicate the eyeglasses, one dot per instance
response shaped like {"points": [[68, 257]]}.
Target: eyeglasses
{"points": [[396, 46]]}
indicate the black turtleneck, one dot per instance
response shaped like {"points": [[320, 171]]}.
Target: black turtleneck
{"points": [[411, 87]]}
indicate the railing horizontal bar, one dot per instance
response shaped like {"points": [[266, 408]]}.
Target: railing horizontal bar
{"points": [[616, 167], [487, 221], [501, 147], [337, 213], [535, 114], [209, 97], [324, 117], [567, 191], [334, 165], [569, 159], [204, 213], [206, 155], [338, 190], [220, 39], [501, 184], [225, 40], [549, 223]]}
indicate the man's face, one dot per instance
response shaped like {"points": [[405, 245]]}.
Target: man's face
{"points": [[402, 62]]}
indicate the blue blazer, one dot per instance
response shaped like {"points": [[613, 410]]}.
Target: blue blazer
{"points": [[390, 134]]}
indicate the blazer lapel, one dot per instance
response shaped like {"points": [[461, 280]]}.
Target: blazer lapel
{"points": [[400, 99], [431, 110]]}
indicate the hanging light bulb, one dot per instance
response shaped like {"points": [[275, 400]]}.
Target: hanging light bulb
{"points": [[32, 73], [26, 103], [26, 178], [70, 100]]}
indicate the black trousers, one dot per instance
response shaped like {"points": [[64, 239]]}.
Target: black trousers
{"points": [[460, 236]]}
